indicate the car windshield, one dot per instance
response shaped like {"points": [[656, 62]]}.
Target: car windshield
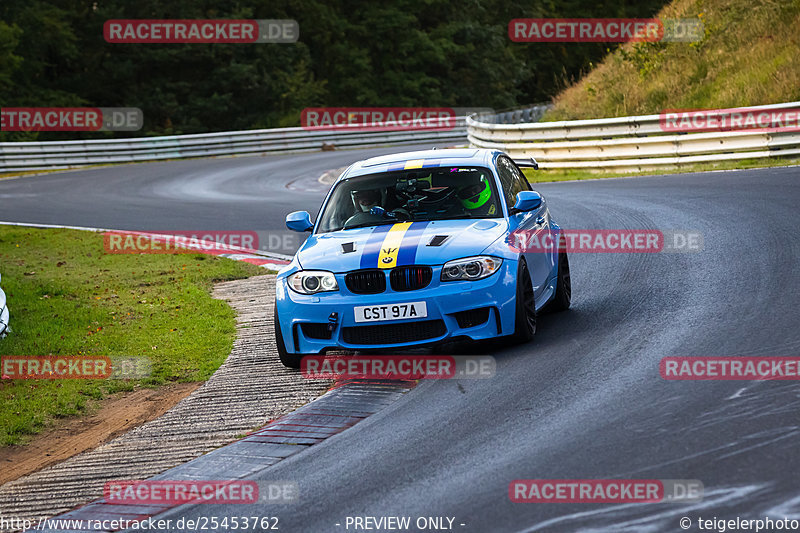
{"points": [[409, 195]]}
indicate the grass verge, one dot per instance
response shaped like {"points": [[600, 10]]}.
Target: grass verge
{"points": [[543, 176], [68, 297], [22, 174]]}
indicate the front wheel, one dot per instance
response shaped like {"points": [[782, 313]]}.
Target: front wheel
{"points": [[290, 360], [525, 315]]}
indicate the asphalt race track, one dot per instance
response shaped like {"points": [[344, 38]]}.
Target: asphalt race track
{"points": [[226, 194], [583, 400]]}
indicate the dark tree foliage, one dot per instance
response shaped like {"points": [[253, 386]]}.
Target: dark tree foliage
{"points": [[350, 53]]}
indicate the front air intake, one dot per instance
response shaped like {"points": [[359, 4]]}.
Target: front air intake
{"points": [[410, 278], [370, 281]]}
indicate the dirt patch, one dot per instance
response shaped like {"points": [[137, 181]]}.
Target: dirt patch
{"points": [[115, 416]]}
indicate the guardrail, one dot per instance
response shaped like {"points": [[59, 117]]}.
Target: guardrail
{"points": [[630, 144], [533, 113], [55, 155]]}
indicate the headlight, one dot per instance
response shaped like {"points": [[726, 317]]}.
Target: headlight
{"points": [[470, 268], [313, 281]]}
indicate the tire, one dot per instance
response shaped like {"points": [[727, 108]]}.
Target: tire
{"points": [[563, 296], [290, 360], [525, 314]]}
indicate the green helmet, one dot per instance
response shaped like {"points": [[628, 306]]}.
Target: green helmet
{"points": [[476, 195]]}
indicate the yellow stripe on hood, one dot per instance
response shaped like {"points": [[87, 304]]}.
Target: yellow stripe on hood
{"points": [[391, 245]]}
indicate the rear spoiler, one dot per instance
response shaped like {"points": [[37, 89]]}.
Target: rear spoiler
{"points": [[527, 163]]}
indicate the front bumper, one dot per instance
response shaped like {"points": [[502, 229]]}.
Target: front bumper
{"points": [[304, 319]]}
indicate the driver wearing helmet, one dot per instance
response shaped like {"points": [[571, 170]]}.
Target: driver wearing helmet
{"points": [[366, 200], [476, 198]]}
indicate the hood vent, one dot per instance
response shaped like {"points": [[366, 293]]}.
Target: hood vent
{"points": [[438, 240], [348, 247]]}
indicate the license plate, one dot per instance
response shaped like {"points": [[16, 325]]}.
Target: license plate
{"points": [[375, 313]]}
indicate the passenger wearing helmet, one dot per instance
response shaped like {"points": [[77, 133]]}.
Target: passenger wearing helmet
{"points": [[476, 198]]}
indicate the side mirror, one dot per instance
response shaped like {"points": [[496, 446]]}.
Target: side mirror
{"points": [[299, 221], [526, 201]]}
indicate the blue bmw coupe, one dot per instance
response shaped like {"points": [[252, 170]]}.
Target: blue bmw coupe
{"points": [[420, 248]]}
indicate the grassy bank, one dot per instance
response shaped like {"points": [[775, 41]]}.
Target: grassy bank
{"points": [[749, 56], [68, 297]]}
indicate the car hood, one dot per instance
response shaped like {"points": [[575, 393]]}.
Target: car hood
{"points": [[390, 245]]}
